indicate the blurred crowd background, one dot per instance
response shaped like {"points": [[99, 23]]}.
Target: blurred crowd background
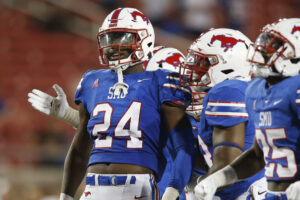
{"points": [[43, 42]]}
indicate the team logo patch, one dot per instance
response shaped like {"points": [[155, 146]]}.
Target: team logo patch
{"points": [[95, 84], [173, 59], [226, 42], [136, 14], [295, 28]]}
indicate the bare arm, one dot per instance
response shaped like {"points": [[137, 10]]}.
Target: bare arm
{"points": [[77, 157], [223, 154], [253, 157], [252, 160]]}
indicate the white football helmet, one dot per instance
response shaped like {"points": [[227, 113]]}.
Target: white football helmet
{"points": [[215, 56], [165, 58], [276, 51], [125, 38]]}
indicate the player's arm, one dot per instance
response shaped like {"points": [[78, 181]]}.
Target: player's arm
{"points": [[228, 143], [56, 107], [182, 139], [77, 157], [232, 173]]}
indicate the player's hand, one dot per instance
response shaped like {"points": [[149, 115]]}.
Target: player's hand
{"points": [[206, 189], [64, 196], [47, 104], [192, 183], [293, 191], [170, 194]]}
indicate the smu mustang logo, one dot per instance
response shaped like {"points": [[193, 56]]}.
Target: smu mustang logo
{"points": [[174, 59], [226, 42], [295, 28], [135, 14]]}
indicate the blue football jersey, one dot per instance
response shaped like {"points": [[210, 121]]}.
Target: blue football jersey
{"points": [[126, 128], [275, 111], [224, 105]]}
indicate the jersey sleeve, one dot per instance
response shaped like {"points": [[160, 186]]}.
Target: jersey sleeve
{"points": [[79, 94], [171, 91], [296, 102], [226, 107]]}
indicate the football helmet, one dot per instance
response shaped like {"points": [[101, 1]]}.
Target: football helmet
{"points": [[165, 58], [216, 55], [125, 38], [276, 51]]}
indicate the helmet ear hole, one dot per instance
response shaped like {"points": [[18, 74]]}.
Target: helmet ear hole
{"points": [[227, 71], [295, 60]]}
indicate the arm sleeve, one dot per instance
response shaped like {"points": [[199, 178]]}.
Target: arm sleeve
{"points": [[296, 102], [80, 91], [226, 107], [170, 90], [182, 145]]}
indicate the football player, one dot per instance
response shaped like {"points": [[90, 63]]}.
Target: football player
{"points": [[216, 63], [123, 109], [273, 103], [171, 59], [163, 58]]}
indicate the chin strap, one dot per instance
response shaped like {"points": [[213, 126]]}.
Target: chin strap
{"points": [[120, 85]]}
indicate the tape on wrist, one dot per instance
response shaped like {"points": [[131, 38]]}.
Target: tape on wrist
{"points": [[64, 196], [225, 176]]}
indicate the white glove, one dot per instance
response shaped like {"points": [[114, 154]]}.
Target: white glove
{"points": [[293, 191], [206, 189], [170, 194], [57, 107], [192, 182], [64, 196]]}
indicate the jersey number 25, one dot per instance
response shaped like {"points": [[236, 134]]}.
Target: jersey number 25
{"points": [[287, 168]]}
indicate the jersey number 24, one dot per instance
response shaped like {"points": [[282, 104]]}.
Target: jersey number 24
{"points": [[130, 117]]}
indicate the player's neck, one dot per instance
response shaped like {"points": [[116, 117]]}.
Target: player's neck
{"points": [[134, 69], [272, 80]]}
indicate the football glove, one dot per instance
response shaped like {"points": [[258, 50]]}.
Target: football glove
{"points": [[293, 191], [170, 194], [57, 107]]}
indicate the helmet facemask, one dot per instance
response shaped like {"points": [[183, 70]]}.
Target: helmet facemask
{"points": [[121, 48], [269, 49], [196, 106], [196, 68]]}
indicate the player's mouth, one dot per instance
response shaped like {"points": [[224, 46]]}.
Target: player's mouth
{"points": [[116, 56]]}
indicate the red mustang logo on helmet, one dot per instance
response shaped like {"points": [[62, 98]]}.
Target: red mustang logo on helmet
{"points": [[226, 42], [136, 13], [174, 59], [295, 28]]}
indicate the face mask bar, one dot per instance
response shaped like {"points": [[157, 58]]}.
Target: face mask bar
{"points": [[120, 46], [268, 47], [194, 71], [197, 102]]}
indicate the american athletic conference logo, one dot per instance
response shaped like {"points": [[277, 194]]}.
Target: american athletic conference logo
{"points": [[226, 42]]}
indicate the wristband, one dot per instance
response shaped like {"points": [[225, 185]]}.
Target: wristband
{"points": [[225, 176], [71, 117], [170, 193]]}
